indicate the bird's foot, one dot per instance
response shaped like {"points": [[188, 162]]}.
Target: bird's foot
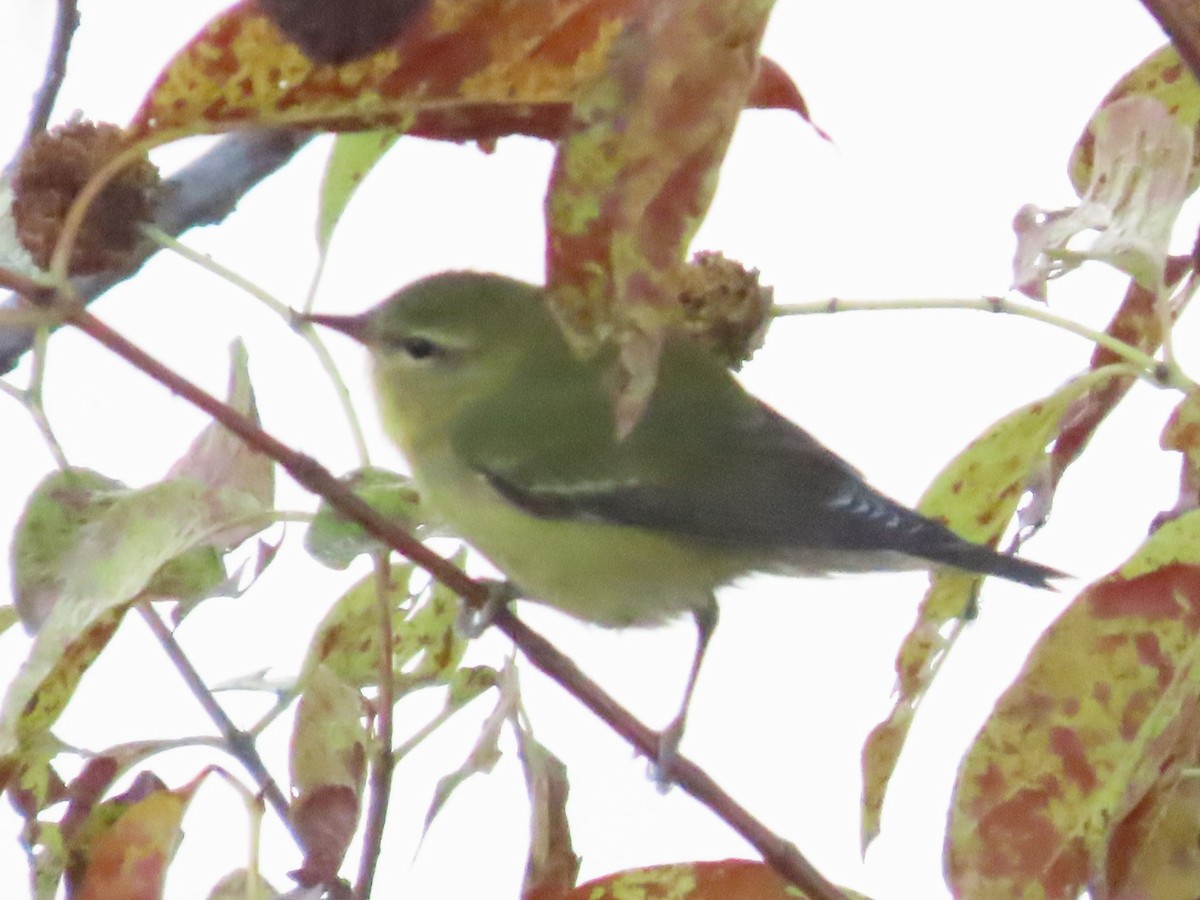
{"points": [[661, 769], [471, 621]]}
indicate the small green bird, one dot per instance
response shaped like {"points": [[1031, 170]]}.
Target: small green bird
{"points": [[512, 443]]}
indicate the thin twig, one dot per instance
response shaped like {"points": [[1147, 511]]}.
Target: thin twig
{"points": [[780, 854], [65, 23], [310, 335], [237, 742], [384, 763], [1166, 375], [33, 399]]}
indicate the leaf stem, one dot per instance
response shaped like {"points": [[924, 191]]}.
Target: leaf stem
{"points": [[204, 261], [1164, 374]]}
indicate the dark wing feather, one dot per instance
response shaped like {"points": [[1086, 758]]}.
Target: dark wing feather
{"points": [[744, 478]]}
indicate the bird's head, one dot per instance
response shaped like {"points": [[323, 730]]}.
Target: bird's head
{"points": [[442, 343]]}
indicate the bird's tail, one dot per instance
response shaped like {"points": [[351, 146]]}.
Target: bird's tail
{"points": [[984, 560]]}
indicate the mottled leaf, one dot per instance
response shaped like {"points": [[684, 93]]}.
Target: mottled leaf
{"points": [[426, 649], [1182, 434], [1136, 322], [638, 164], [33, 784], [329, 738], [1104, 714], [976, 495], [115, 558], [727, 879], [1155, 850], [129, 858], [462, 72], [328, 765]]}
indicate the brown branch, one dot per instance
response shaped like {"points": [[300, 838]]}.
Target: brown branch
{"points": [[202, 193], [780, 854], [65, 24], [1180, 19]]}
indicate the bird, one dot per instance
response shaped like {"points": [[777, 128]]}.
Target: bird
{"points": [[511, 440]]}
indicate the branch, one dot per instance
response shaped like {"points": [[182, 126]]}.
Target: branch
{"points": [[202, 193], [1157, 372], [1180, 19], [384, 763], [65, 24], [780, 854], [237, 742]]}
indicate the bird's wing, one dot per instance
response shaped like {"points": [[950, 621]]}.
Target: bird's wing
{"points": [[707, 461]]}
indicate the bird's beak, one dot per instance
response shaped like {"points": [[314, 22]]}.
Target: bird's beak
{"points": [[353, 326]]}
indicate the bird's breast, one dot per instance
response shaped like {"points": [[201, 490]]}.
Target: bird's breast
{"points": [[609, 574]]}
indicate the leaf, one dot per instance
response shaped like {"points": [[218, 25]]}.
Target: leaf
{"points": [[328, 762], [468, 683], [33, 785], [486, 752], [1182, 434], [190, 577], [728, 879], [49, 530], [243, 885], [638, 163], [329, 739], [465, 71], [223, 461], [428, 645], [1155, 850], [1104, 714], [129, 858], [976, 495], [552, 866], [8, 618], [114, 560], [1163, 76], [1137, 322], [352, 157], [92, 783], [335, 541], [426, 649], [1143, 161]]}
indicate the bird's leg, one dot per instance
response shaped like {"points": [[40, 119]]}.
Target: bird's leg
{"points": [[668, 741], [472, 622]]}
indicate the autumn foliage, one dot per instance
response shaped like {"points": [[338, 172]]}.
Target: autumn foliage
{"points": [[1084, 776]]}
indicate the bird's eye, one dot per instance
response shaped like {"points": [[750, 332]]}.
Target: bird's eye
{"points": [[420, 348]]}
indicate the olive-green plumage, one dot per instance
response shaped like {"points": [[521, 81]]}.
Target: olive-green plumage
{"points": [[512, 442]]}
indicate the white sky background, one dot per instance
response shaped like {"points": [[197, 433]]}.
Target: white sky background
{"points": [[946, 117]]}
